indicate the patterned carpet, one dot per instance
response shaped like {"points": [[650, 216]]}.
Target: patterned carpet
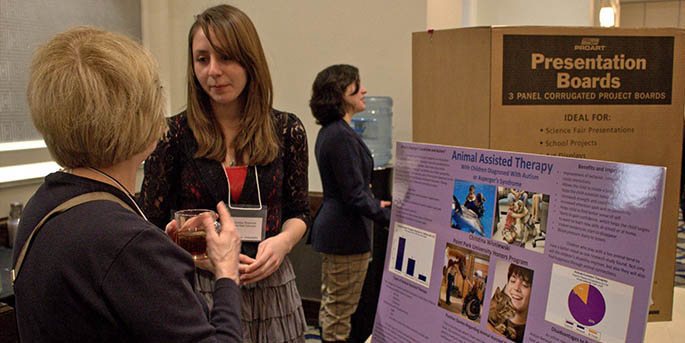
{"points": [[312, 335]]}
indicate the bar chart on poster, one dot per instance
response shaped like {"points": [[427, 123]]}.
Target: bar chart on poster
{"points": [[412, 253]]}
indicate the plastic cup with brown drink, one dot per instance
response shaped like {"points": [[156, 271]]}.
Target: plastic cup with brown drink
{"points": [[191, 234]]}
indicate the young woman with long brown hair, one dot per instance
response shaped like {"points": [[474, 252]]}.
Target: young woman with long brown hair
{"points": [[230, 145]]}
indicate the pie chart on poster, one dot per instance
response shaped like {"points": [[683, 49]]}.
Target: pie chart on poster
{"points": [[586, 304]]}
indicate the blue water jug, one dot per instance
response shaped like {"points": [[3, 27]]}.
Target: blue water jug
{"points": [[374, 125]]}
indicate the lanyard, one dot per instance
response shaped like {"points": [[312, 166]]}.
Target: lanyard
{"points": [[259, 194], [249, 221]]}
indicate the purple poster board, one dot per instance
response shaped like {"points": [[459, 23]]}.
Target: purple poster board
{"points": [[494, 246]]}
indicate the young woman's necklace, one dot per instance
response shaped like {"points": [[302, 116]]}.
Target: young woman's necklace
{"points": [[231, 161]]}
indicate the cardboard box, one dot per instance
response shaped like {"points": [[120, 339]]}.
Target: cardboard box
{"points": [[596, 93]]}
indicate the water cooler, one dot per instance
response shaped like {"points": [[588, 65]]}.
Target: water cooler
{"points": [[374, 125]]}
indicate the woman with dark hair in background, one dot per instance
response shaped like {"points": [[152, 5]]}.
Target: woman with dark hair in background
{"points": [[230, 145], [342, 229]]}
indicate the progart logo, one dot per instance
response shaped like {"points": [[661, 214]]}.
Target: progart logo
{"points": [[589, 44]]}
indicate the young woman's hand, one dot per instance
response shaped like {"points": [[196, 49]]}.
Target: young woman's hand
{"points": [[270, 255]]}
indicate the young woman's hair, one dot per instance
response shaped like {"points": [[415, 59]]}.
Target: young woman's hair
{"points": [[231, 33], [96, 97], [327, 102]]}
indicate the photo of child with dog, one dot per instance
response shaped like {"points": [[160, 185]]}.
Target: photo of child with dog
{"points": [[521, 218]]}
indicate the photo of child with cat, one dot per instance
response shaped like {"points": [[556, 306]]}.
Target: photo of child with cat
{"points": [[510, 299]]}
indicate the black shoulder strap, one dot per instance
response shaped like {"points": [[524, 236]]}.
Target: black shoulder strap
{"points": [[75, 201]]}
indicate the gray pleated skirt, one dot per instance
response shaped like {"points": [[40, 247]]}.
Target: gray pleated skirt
{"points": [[271, 308]]}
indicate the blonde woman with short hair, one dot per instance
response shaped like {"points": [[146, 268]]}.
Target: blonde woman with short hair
{"points": [[96, 270]]}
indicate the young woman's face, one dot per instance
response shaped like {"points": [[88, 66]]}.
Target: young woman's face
{"points": [[221, 77], [355, 102], [519, 291]]}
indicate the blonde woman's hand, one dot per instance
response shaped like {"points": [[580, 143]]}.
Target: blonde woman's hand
{"points": [[223, 248], [171, 229]]}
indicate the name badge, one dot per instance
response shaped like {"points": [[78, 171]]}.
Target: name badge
{"points": [[250, 223]]}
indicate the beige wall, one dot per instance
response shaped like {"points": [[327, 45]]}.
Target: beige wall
{"points": [[667, 13], [528, 12], [446, 14], [300, 38]]}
